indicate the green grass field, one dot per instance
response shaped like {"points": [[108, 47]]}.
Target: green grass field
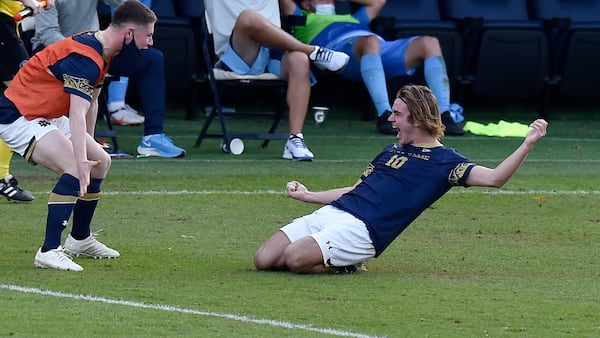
{"points": [[517, 262]]}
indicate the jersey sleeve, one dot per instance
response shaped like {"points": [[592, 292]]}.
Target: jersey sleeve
{"points": [[371, 167], [78, 74], [458, 175]]}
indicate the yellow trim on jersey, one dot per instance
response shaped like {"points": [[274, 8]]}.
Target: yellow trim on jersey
{"points": [[428, 145]]}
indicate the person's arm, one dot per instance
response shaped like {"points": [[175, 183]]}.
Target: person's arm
{"points": [[497, 177], [373, 7], [47, 29], [287, 7], [78, 112], [297, 190], [92, 114], [36, 5]]}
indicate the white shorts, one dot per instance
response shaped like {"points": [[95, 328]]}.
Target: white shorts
{"points": [[343, 239], [22, 135]]}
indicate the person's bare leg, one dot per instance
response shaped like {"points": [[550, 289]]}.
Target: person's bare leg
{"points": [[252, 30], [296, 68], [304, 256], [366, 45], [420, 49], [270, 255]]}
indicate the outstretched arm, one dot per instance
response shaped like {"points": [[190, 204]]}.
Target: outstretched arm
{"points": [[297, 190], [373, 7], [486, 177]]}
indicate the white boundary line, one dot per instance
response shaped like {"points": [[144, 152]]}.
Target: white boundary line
{"points": [[169, 308]]}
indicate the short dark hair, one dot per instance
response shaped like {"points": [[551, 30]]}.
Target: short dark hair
{"points": [[132, 11]]}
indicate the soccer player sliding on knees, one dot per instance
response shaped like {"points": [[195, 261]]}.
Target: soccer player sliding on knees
{"points": [[359, 222]]}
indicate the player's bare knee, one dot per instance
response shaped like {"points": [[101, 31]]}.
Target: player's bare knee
{"points": [[295, 261], [249, 20], [260, 261], [369, 44], [105, 163], [431, 44], [297, 59], [296, 67]]}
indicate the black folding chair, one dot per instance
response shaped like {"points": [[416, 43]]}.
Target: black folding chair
{"points": [[113, 149], [221, 81]]}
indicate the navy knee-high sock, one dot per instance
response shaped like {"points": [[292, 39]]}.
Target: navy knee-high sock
{"points": [[60, 206], [84, 210]]}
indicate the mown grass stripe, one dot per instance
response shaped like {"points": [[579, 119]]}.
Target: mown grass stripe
{"points": [[170, 308]]}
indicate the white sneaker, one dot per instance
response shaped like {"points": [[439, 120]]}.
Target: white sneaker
{"points": [[126, 116], [328, 59], [55, 259], [295, 149], [90, 247]]}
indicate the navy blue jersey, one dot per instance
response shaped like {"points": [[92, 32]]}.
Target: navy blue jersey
{"points": [[78, 72], [399, 184], [76, 67]]}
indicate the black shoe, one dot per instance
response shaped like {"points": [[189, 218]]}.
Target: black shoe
{"points": [[345, 270], [451, 127], [9, 188], [384, 126]]}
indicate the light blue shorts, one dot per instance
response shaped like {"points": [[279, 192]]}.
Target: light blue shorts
{"points": [[262, 64], [392, 57]]}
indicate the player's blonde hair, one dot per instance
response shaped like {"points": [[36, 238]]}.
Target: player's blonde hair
{"points": [[423, 108]]}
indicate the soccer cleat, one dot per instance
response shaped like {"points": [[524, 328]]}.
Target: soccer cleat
{"points": [[159, 145], [90, 247], [327, 59], [350, 269], [9, 188], [345, 270], [384, 126], [126, 116], [362, 267], [295, 149], [451, 127], [55, 259]]}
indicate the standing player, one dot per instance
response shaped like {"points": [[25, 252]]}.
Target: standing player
{"points": [[359, 222], [65, 80]]}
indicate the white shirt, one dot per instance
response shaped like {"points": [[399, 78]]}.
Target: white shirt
{"points": [[222, 15]]}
